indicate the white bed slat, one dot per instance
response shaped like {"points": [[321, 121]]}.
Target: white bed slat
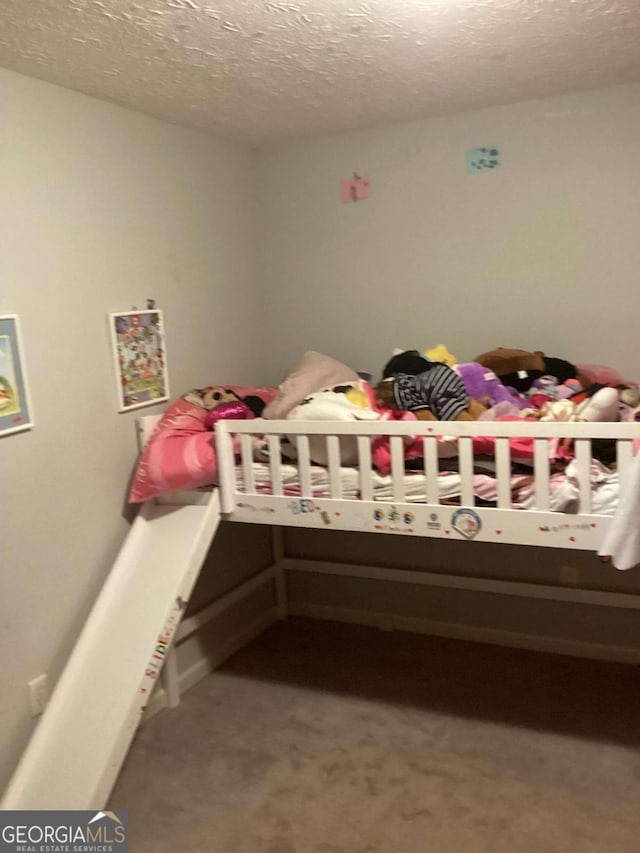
{"points": [[333, 457], [503, 472], [541, 472], [304, 462], [397, 467], [624, 457], [430, 451], [226, 467], [275, 467], [246, 451], [364, 472], [465, 457], [582, 450]]}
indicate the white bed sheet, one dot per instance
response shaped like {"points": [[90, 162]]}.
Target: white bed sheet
{"points": [[382, 486], [414, 483], [564, 487]]}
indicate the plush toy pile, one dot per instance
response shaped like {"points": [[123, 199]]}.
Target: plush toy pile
{"points": [[496, 385], [505, 382]]}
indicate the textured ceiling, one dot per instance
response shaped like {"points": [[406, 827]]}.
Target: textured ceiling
{"points": [[261, 70]]}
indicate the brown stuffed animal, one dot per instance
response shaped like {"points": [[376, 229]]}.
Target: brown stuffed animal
{"points": [[504, 361], [437, 394], [516, 368], [519, 369]]}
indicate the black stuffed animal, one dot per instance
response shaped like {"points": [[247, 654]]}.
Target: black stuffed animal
{"points": [[410, 362]]}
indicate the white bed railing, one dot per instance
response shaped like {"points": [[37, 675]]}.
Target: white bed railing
{"points": [[581, 434], [237, 480]]}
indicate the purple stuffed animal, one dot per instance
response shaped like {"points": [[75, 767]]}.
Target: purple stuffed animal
{"points": [[483, 385]]}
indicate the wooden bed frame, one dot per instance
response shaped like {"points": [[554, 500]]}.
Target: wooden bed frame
{"points": [[78, 747]]}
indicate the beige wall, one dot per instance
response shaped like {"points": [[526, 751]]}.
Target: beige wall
{"points": [[101, 208], [542, 253]]}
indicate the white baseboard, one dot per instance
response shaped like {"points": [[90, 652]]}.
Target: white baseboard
{"points": [[473, 633], [205, 665]]}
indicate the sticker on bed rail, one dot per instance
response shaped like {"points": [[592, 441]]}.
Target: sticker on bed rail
{"points": [[466, 522], [433, 523], [558, 528], [400, 522], [255, 508], [302, 506], [394, 515]]}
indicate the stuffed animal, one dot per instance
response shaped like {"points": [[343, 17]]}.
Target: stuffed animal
{"points": [[441, 353], [604, 403], [629, 415], [437, 393], [213, 396], [483, 385], [348, 402], [601, 374], [629, 408], [603, 406], [629, 395], [519, 369], [210, 397], [230, 409], [410, 361], [404, 361], [514, 367], [548, 388]]}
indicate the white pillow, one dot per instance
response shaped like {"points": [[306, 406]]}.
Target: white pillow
{"points": [[313, 372], [331, 406]]}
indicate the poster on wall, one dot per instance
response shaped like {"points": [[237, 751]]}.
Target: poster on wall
{"points": [[15, 406], [140, 358]]}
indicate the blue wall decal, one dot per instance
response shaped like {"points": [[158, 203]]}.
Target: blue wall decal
{"points": [[483, 159]]}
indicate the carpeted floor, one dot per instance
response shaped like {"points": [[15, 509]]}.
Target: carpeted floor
{"points": [[328, 738]]}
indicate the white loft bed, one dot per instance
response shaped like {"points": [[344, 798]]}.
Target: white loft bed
{"points": [[78, 748]]}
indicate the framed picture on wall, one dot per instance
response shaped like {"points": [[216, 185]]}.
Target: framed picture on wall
{"points": [[140, 358], [15, 404]]}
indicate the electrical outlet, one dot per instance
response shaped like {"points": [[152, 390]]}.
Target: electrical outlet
{"points": [[569, 575], [38, 694]]}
